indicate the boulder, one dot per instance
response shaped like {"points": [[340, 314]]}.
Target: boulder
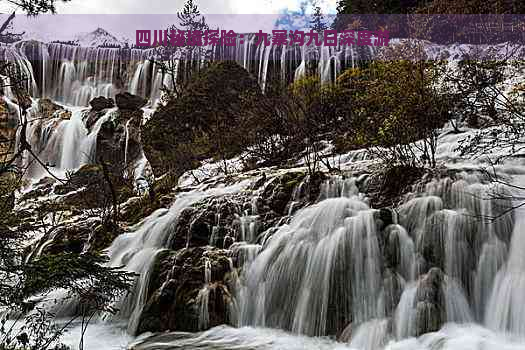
{"points": [[99, 103], [180, 295], [182, 133], [88, 188], [119, 141], [91, 235], [430, 302], [47, 108], [127, 101]]}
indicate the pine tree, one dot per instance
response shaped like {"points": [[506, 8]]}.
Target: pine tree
{"points": [[317, 23], [191, 18]]}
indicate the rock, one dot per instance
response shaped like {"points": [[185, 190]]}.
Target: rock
{"points": [[430, 302], [314, 185], [42, 188], [181, 134], [386, 187], [8, 126], [47, 108], [65, 239], [99, 103], [23, 100], [392, 250], [89, 188], [92, 117], [102, 236], [197, 224], [427, 318], [128, 101], [393, 288], [119, 142], [178, 288], [7, 194], [91, 235], [83, 177], [346, 334], [279, 192], [386, 216]]}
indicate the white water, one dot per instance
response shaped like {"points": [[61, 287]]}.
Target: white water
{"points": [[323, 272], [450, 337], [325, 265], [136, 250]]}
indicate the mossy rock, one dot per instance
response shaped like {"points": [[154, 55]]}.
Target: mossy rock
{"points": [[181, 133], [176, 281], [88, 188]]}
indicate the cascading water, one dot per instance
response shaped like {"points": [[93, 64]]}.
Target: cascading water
{"points": [[74, 75], [505, 310], [62, 144], [74, 134], [292, 284], [137, 249], [332, 269], [327, 272]]}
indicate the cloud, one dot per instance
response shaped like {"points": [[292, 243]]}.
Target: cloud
{"points": [[206, 6]]}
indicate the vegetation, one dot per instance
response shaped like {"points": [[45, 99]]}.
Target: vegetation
{"points": [[317, 22], [88, 282], [167, 57]]}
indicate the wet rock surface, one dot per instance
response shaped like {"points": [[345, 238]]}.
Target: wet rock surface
{"points": [[127, 101], [178, 284], [100, 103], [430, 302], [49, 109]]}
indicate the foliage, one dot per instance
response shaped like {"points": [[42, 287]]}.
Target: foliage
{"points": [[35, 7], [89, 284], [481, 101], [168, 57], [395, 104], [205, 121], [472, 7], [317, 22]]}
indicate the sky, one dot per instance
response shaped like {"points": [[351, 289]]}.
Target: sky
{"points": [[123, 17], [172, 6]]}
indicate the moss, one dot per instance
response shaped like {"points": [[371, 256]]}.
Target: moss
{"points": [[187, 129], [103, 235], [139, 208]]}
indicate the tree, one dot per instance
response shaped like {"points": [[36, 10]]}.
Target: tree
{"points": [[85, 276], [317, 22], [35, 7], [205, 121], [397, 110], [179, 62], [483, 102]]}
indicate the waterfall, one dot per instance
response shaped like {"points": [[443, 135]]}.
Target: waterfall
{"points": [[74, 133], [89, 144], [204, 296], [126, 147], [74, 75], [290, 284], [505, 310], [337, 267], [137, 249]]}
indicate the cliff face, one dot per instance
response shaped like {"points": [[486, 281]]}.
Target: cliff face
{"points": [[8, 125]]}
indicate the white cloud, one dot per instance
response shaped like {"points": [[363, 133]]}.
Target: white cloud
{"points": [[206, 6], [63, 27]]}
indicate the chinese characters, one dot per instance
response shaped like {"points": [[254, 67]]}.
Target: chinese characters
{"points": [[152, 38]]}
